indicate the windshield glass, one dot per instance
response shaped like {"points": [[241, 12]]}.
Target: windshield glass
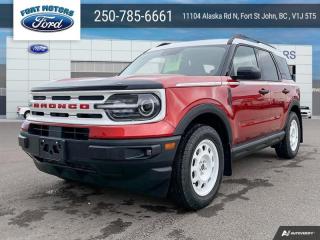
{"points": [[190, 61]]}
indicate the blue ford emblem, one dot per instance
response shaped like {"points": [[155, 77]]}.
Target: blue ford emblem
{"points": [[38, 49], [47, 22]]}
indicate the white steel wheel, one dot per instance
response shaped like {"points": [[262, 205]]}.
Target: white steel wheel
{"points": [[204, 167], [294, 135], [289, 146], [198, 168]]}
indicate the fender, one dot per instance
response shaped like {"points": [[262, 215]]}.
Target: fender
{"points": [[211, 109], [295, 103], [199, 110]]}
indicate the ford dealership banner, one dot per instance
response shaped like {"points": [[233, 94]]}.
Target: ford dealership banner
{"points": [[47, 16]]}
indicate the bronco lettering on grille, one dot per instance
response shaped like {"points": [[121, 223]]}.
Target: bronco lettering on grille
{"points": [[61, 105]]}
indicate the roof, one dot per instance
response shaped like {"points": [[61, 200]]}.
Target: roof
{"points": [[218, 42]]}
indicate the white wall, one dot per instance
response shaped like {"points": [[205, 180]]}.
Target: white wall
{"points": [[303, 62], [26, 70]]}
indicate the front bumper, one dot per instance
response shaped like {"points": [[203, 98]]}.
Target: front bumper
{"points": [[306, 114], [142, 165]]}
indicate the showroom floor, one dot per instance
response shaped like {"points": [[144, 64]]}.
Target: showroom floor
{"points": [[262, 194]]}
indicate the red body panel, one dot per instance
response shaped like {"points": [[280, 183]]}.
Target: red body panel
{"points": [[251, 111], [250, 114], [150, 130]]}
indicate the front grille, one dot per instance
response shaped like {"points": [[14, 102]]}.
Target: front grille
{"points": [[59, 132], [54, 114], [84, 115], [37, 113], [91, 98], [76, 107], [59, 98], [39, 97]]}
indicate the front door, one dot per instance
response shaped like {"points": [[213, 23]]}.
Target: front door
{"points": [[250, 100]]}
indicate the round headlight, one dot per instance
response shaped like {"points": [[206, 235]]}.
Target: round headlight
{"points": [[147, 107], [132, 107]]}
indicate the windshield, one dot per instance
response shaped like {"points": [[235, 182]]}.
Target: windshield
{"points": [[190, 61]]}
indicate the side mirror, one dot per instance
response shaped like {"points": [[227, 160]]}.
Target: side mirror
{"points": [[248, 73]]}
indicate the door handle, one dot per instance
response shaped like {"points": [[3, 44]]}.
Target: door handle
{"points": [[285, 91], [264, 91]]}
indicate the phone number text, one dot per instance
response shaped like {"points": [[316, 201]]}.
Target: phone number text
{"points": [[133, 16]]}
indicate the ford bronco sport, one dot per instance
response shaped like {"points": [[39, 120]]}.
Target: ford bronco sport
{"points": [[171, 123]]}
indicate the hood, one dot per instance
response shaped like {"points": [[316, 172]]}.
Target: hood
{"points": [[121, 83]]}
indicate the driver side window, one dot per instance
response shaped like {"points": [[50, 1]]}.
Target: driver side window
{"points": [[244, 57], [153, 66]]}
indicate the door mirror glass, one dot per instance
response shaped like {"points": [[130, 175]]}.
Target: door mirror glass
{"points": [[250, 73]]}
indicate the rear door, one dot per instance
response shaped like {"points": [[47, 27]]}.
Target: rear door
{"points": [[270, 74], [250, 100], [286, 88]]}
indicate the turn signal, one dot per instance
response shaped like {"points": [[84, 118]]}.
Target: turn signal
{"points": [[169, 146]]}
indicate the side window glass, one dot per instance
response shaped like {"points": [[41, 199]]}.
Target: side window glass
{"points": [[267, 66], [284, 68], [152, 67], [244, 57]]}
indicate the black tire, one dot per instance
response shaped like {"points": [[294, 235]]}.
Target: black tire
{"points": [[26, 114], [182, 190], [283, 149]]}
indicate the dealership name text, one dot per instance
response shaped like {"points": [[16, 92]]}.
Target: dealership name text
{"points": [[48, 9]]}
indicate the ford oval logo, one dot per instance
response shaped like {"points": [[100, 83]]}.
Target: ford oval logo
{"points": [[47, 22], [38, 49]]}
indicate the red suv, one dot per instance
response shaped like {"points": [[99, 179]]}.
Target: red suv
{"points": [[171, 123]]}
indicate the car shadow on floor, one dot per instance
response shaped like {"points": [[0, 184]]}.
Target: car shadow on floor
{"points": [[73, 201]]}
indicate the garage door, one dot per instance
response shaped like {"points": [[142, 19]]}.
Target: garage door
{"points": [[80, 69]]}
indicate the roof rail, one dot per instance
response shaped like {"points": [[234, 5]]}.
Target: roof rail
{"points": [[244, 37], [163, 44]]}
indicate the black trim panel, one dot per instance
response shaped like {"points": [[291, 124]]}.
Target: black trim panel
{"points": [[209, 109], [141, 165], [98, 84], [148, 152], [154, 182], [258, 144], [199, 110]]}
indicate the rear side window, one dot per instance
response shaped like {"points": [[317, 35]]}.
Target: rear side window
{"points": [[244, 57], [283, 67], [267, 66]]}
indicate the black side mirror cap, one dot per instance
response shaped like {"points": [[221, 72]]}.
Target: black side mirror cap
{"points": [[248, 73]]}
